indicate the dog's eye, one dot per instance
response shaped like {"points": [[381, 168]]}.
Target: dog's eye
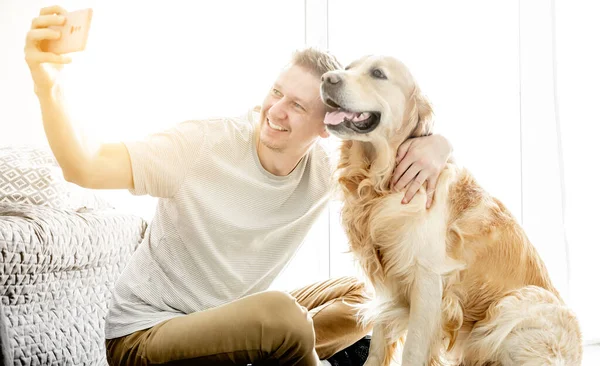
{"points": [[377, 73]]}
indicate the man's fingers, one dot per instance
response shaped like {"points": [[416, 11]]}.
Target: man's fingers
{"points": [[429, 194], [398, 171], [35, 43], [402, 150], [44, 21], [55, 9], [36, 57], [414, 187], [430, 186], [36, 35], [408, 176], [410, 192]]}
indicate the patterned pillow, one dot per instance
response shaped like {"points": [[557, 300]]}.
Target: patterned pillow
{"points": [[31, 175]]}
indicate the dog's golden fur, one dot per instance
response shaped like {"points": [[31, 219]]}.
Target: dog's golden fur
{"points": [[498, 305]]}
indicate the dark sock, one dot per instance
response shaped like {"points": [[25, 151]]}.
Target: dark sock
{"points": [[355, 355]]}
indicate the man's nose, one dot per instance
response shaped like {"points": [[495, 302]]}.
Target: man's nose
{"points": [[331, 78], [277, 110]]}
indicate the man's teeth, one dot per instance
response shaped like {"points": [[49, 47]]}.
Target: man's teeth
{"points": [[274, 126]]}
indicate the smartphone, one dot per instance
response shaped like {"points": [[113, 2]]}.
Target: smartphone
{"points": [[74, 33]]}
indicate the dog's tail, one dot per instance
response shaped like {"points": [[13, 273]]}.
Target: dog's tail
{"points": [[529, 326]]}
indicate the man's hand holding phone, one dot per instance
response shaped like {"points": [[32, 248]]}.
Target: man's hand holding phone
{"points": [[54, 33]]}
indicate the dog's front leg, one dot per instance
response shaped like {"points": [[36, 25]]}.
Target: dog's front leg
{"points": [[424, 318], [382, 346]]}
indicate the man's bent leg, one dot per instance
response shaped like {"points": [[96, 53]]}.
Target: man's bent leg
{"points": [[269, 326], [330, 303]]}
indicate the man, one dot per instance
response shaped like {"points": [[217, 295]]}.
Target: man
{"points": [[237, 197]]}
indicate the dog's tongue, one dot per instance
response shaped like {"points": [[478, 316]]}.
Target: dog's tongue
{"points": [[337, 117]]}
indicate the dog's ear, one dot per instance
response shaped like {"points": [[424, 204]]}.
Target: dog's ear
{"points": [[423, 113]]}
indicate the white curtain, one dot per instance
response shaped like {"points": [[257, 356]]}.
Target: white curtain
{"points": [[577, 94]]}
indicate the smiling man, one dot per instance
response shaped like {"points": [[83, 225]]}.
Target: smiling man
{"points": [[236, 198], [291, 118]]}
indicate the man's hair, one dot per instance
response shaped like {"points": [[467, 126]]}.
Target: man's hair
{"points": [[316, 61]]}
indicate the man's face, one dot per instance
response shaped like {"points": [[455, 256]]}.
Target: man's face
{"points": [[292, 112]]}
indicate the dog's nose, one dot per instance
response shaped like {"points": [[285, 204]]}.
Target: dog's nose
{"points": [[331, 78]]}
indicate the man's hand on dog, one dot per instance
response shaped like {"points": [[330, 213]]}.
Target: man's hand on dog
{"points": [[420, 161]]}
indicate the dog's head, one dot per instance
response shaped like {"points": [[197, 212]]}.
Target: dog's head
{"points": [[375, 98]]}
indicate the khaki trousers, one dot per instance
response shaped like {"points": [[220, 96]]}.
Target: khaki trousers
{"points": [[268, 328]]}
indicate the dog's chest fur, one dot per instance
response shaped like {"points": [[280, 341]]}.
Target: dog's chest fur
{"points": [[390, 238]]}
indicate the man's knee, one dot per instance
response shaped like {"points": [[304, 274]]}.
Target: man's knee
{"points": [[281, 310], [357, 290], [285, 319]]}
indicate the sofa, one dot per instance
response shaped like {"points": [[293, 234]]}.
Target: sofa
{"points": [[61, 250]]}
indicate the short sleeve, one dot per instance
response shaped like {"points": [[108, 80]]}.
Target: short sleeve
{"points": [[162, 160]]}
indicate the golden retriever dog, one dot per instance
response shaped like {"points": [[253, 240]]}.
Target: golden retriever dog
{"points": [[458, 283]]}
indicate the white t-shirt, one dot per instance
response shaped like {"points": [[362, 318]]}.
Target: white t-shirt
{"points": [[224, 227]]}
